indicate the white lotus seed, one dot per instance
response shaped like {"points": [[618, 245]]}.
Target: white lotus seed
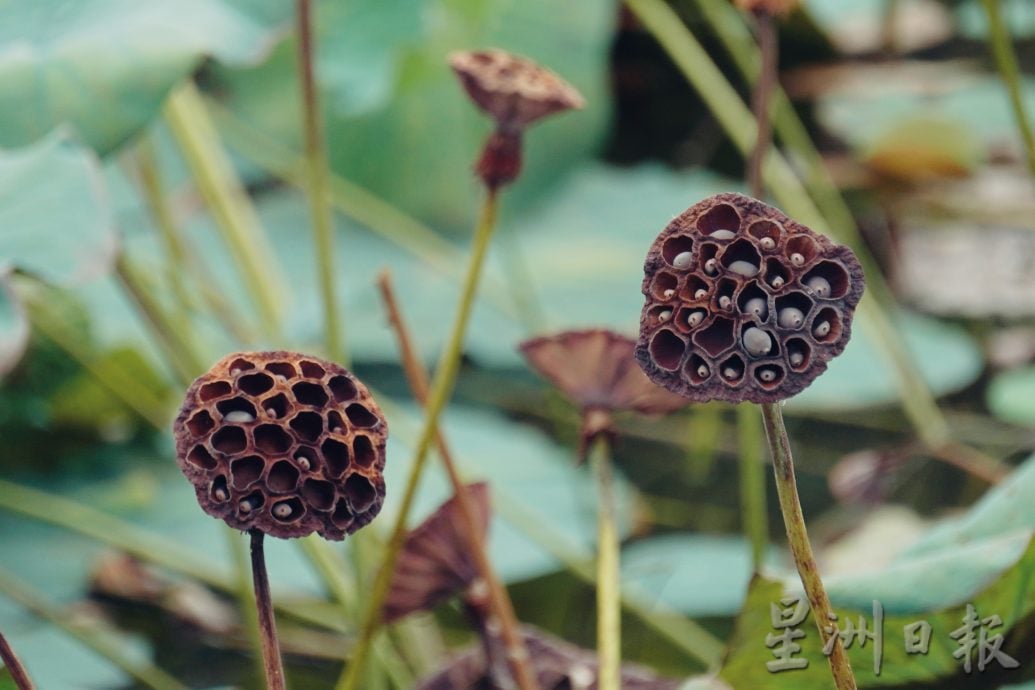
{"points": [[235, 371], [758, 307], [767, 375], [581, 677], [702, 371], [767, 243], [695, 318], [711, 266], [700, 294], [819, 285], [245, 506], [282, 510], [744, 268], [790, 317], [757, 342], [220, 494], [730, 373], [681, 260], [725, 302], [797, 259], [303, 462], [723, 234], [238, 417], [822, 329], [337, 430], [667, 294], [777, 282], [665, 315], [271, 413], [797, 358]]}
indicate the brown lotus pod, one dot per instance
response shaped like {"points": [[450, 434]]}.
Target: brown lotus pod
{"points": [[515, 92], [743, 303], [771, 7], [283, 443], [596, 369], [435, 561]]}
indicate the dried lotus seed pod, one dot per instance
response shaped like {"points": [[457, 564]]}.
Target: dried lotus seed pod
{"points": [[781, 305], [283, 443]]}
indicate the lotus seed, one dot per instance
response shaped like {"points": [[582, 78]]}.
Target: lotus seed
{"points": [[667, 294], [791, 317], [757, 342], [235, 371], [220, 494], [797, 259], [819, 285], [730, 373], [682, 260], [768, 243], [282, 511], [702, 371], [725, 302], [695, 318], [822, 329], [797, 358], [744, 268], [777, 282], [303, 462], [711, 266], [665, 315], [238, 417], [271, 413], [701, 294], [337, 430], [767, 375], [247, 505], [757, 306], [723, 234]]}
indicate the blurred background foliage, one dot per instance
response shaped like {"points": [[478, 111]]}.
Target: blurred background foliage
{"points": [[99, 190]]}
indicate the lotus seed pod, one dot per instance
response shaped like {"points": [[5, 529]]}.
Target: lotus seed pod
{"points": [[783, 302], [283, 443]]}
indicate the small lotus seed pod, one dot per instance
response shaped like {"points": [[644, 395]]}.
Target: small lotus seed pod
{"points": [[819, 286], [732, 347], [757, 342], [283, 443], [515, 92], [682, 260], [790, 317]]}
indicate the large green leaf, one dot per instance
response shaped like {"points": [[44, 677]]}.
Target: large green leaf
{"points": [[398, 121], [104, 66]]}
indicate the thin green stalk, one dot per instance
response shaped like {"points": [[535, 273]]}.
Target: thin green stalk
{"points": [[114, 379], [89, 634], [14, 666], [441, 390], [316, 180], [243, 592], [182, 260], [1006, 62], [181, 356], [729, 110], [798, 541], [228, 201], [609, 606], [272, 664], [754, 512]]}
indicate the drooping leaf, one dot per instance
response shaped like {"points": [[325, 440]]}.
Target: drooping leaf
{"points": [[104, 66]]}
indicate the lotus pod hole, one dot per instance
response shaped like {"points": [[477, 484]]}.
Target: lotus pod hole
{"points": [[265, 439], [758, 314], [678, 250]]}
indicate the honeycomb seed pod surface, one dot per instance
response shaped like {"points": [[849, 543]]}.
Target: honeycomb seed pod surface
{"points": [[743, 303], [285, 443]]}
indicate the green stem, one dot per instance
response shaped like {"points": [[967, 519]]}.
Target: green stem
{"points": [[729, 110], [798, 541], [180, 354], [1006, 62], [441, 390], [243, 592], [609, 608], [752, 484], [316, 181], [182, 259], [273, 666], [89, 634], [226, 197], [14, 666]]}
